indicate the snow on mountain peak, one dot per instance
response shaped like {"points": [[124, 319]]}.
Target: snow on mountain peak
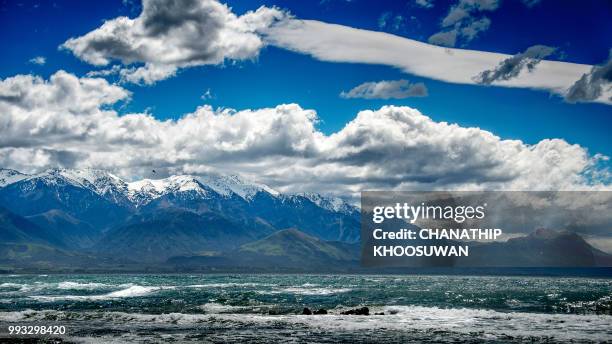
{"points": [[99, 181], [143, 191], [226, 185], [8, 176], [95, 177], [331, 203]]}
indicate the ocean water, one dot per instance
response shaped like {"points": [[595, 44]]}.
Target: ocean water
{"points": [[267, 308]]}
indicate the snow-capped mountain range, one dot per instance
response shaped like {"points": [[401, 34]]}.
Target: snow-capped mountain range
{"points": [[155, 219], [142, 192]]}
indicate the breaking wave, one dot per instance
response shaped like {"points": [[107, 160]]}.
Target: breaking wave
{"points": [[81, 286], [474, 322], [132, 291]]}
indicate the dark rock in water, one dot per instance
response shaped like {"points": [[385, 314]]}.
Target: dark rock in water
{"points": [[381, 313], [321, 311], [357, 311], [306, 311]]}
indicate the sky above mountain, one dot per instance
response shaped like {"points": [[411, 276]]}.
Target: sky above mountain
{"points": [[333, 95]]}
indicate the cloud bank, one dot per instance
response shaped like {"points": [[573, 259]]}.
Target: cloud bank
{"points": [[387, 89], [338, 43], [169, 35], [66, 121]]}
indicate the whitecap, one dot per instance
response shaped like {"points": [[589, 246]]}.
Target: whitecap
{"points": [[217, 308], [309, 285], [486, 323], [308, 291], [227, 285], [81, 286], [11, 285], [489, 323], [132, 291]]}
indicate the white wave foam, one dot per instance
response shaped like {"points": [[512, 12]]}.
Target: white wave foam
{"points": [[228, 285], [81, 286], [66, 285], [217, 308], [132, 291], [23, 288], [23, 315], [309, 285], [487, 324], [11, 285], [306, 291]]}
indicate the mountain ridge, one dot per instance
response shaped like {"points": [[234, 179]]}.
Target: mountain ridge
{"points": [[222, 220], [95, 211], [105, 183]]}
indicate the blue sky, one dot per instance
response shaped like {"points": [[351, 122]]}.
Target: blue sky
{"points": [[582, 31]]}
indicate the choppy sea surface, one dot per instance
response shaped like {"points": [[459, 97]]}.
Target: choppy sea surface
{"points": [[267, 308]]}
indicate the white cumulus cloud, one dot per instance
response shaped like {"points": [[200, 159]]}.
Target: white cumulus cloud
{"points": [[169, 35], [67, 121]]}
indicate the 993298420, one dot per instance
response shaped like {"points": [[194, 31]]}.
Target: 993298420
{"points": [[35, 330]]}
